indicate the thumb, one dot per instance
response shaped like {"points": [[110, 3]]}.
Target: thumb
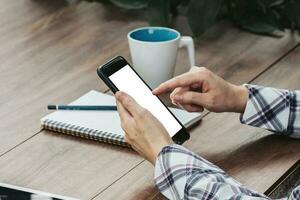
{"points": [[129, 103], [191, 97]]}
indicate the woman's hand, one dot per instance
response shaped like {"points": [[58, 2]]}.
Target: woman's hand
{"points": [[200, 88], [142, 130]]}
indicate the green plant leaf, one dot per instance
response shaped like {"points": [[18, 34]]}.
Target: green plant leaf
{"points": [[292, 13], [273, 3], [158, 12], [174, 5], [202, 14], [130, 4], [255, 16], [260, 27], [258, 16], [182, 8]]}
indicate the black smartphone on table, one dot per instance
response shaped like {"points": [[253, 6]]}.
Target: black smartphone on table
{"points": [[118, 75]]}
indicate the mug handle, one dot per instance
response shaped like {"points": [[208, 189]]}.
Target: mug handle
{"points": [[188, 43]]}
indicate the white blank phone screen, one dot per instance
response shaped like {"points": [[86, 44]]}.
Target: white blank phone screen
{"points": [[128, 81]]}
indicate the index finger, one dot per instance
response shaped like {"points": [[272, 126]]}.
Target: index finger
{"points": [[183, 80]]}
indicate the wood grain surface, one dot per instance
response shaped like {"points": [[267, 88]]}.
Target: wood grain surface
{"points": [[49, 54], [50, 51], [253, 156]]}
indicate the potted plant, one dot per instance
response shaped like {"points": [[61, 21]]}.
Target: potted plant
{"points": [[258, 16]]}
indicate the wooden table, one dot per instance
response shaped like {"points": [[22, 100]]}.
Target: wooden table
{"points": [[49, 54]]}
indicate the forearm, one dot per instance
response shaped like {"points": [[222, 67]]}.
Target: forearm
{"points": [[273, 109], [181, 174]]}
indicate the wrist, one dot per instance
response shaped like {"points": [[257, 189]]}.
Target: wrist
{"points": [[157, 151], [240, 98]]}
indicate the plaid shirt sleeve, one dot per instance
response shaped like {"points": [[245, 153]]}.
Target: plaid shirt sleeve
{"points": [[181, 174], [273, 109]]}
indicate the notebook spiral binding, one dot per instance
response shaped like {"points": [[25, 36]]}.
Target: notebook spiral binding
{"points": [[87, 133]]}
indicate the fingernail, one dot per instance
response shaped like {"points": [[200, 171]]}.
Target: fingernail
{"points": [[177, 97], [119, 95], [174, 102]]}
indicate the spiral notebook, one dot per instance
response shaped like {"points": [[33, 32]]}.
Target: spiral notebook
{"points": [[103, 126]]}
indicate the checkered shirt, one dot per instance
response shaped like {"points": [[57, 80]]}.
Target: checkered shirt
{"points": [[182, 174]]}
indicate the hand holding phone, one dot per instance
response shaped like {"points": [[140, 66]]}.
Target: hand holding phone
{"points": [[119, 75], [142, 130]]}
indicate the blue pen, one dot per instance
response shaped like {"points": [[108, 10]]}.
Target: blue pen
{"points": [[80, 107]]}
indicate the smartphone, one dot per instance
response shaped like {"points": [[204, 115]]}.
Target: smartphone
{"points": [[118, 75]]}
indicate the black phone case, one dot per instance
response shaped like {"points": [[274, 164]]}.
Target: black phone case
{"points": [[103, 76], [106, 81]]}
